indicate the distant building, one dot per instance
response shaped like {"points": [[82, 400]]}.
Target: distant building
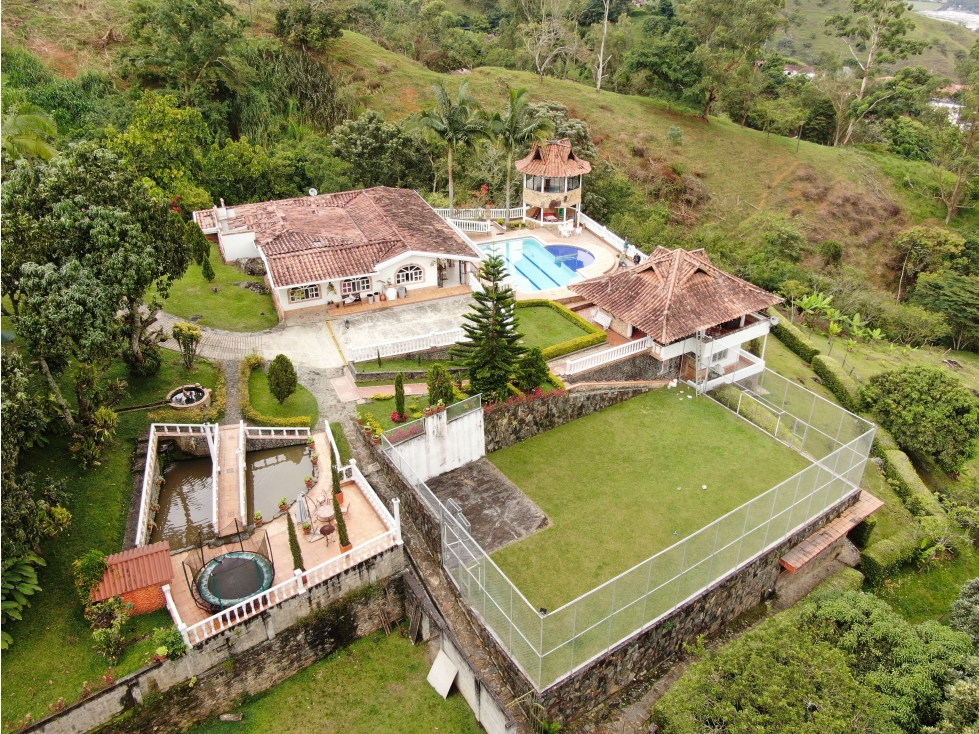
{"points": [[799, 70]]}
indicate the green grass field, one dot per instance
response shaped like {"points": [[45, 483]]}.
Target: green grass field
{"points": [[608, 482], [232, 308], [301, 402], [52, 651], [375, 686], [544, 327]]}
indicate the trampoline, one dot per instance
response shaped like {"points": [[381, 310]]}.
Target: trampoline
{"points": [[234, 577]]}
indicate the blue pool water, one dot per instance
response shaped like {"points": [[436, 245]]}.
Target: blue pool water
{"points": [[534, 267]]}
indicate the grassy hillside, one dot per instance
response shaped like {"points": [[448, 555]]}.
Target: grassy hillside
{"points": [[807, 33]]}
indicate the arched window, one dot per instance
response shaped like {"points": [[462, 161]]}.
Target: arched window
{"points": [[410, 274]]}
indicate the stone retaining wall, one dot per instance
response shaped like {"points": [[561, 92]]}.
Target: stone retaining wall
{"points": [[642, 366], [245, 659], [509, 424]]}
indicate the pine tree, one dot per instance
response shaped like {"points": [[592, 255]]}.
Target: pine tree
{"points": [[335, 472], [207, 271], [282, 378], [491, 350], [399, 395], [341, 523], [532, 371], [439, 385]]}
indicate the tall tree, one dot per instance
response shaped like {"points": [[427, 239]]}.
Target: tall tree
{"points": [[544, 34], [515, 130], [956, 297], [955, 153], [455, 122], [491, 351], [601, 61], [922, 247], [880, 27]]}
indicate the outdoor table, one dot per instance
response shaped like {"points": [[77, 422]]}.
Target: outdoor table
{"points": [[325, 511]]}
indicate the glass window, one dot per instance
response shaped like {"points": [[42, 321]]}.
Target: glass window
{"points": [[304, 293], [719, 356], [355, 285], [410, 274]]}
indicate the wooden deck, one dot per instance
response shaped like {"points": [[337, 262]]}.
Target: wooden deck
{"points": [[229, 493], [819, 541], [419, 295]]}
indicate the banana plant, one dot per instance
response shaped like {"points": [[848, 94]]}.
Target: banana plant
{"points": [[874, 336], [850, 345], [856, 323], [834, 331], [813, 304], [19, 581]]}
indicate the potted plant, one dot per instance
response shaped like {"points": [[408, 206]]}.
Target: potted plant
{"points": [[337, 491], [439, 406], [360, 418], [345, 544], [309, 481], [315, 459], [310, 442], [429, 411], [283, 504], [307, 528], [258, 519], [376, 438], [160, 654]]}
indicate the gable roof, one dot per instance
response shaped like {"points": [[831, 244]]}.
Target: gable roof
{"points": [[674, 294], [553, 159], [135, 569], [329, 236]]}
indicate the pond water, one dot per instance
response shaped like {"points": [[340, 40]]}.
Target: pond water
{"points": [[273, 474], [185, 503], [186, 500]]}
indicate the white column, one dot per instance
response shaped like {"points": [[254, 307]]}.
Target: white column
{"points": [[299, 580], [396, 506]]}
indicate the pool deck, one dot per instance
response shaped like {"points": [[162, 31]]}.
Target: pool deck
{"points": [[606, 257], [363, 525]]}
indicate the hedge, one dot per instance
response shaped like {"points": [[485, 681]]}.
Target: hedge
{"points": [[848, 579], [594, 336], [248, 364], [837, 381], [791, 336], [883, 440], [886, 556], [860, 535], [908, 486]]}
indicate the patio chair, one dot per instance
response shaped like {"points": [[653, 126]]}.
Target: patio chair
{"points": [[402, 292], [345, 509]]}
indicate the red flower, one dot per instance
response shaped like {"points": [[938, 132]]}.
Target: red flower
{"points": [[397, 417]]}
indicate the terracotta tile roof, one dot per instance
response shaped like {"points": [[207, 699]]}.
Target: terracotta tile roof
{"points": [[674, 294], [315, 238], [819, 541], [554, 159], [135, 569]]}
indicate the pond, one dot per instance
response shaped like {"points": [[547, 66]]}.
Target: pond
{"points": [[273, 474]]}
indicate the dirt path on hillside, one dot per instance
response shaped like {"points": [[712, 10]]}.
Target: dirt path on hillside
{"points": [[776, 182]]}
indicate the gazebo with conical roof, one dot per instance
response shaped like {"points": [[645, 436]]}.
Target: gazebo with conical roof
{"points": [[552, 175]]}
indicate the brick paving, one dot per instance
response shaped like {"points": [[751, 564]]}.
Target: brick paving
{"points": [[215, 344]]}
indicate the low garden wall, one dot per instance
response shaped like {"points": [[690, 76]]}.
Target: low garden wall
{"points": [[642, 366], [245, 659], [508, 424]]}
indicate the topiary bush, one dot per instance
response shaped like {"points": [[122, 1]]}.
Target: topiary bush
{"points": [[282, 378], [886, 556], [297, 554], [439, 385]]}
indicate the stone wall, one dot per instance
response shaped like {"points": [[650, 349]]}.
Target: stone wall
{"points": [[259, 444], [510, 424], [705, 615], [247, 658], [642, 366]]}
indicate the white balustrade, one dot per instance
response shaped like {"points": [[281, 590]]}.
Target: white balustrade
{"points": [[607, 356], [470, 225], [270, 432], [405, 346], [149, 476]]}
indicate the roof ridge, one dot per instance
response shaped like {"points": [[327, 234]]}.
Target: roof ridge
{"points": [[671, 286]]}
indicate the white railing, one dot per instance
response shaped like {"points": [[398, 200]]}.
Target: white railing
{"points": [[515, 212], [755, 366], [149, 477], [269, 432], [470, 225], [606, 356], [332, 441], [465, 238], [214, 443], [181, 429], [242, 450], [405, 346], [604, 233]]}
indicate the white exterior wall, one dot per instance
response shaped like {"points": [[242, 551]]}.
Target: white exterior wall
{"points": [[236, 246], [445, 446]]}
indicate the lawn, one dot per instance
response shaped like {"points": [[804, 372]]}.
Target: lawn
{"points": [[301, 402], [375, 686], [382, 409], [608, 482], [343, 445], [544, 327], [403, 365], [232, 308], [52, 653]]}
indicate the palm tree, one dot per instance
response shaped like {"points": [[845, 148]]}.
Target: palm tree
{"points": [[514, 130], [455, 122], [27, 132]]}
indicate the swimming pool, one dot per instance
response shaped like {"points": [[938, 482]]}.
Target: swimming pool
{"points": [[534, 267]]}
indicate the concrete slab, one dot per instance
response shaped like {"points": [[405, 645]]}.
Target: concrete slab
{"points": [[311, 345], [499, 512], [442, 674]]}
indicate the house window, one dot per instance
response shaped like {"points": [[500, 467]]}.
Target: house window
{"points": [[355, 285], [574, 182], [304, 293], [410, 274], [719, 356]]}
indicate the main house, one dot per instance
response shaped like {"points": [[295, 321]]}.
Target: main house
{"points": [[336, 249], [685, 307]]}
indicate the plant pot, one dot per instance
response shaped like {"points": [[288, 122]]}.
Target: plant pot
{"points": [[368, 431], [259, 523], [346, 548], [314, 461], [307, 531], [376, 440], [309, 484], [283, 508], [360, 421], [339, 496], [429, 413], [383, 297]]}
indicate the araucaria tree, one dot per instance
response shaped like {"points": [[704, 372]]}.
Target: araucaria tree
{"points": [[491, 349], [282, 378], [515, 130], [930, 413], [399, 395], [456, 123], [532, 371], [878, 28]]}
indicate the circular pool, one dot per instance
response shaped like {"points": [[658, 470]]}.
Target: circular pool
{"points": [[234, 577], [573, 258]]}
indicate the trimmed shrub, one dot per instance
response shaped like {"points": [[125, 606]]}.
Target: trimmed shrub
{"points": [[297, 554], [837, 381], [849, 579], [792, 336], [439, 385], [282, 378], [908, 486], [399, 395], [253, 362], [211, 414], [886, 556], [883, 440], [860, 535], [594, 336]]}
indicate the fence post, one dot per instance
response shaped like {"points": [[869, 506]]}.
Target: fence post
{"points": [[396, 505], [299, 580]]}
